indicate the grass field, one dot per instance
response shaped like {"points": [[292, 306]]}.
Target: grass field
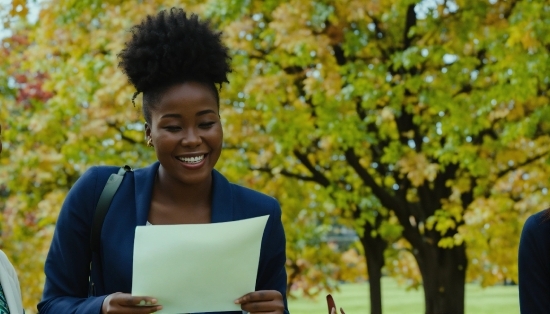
{"points": [[396, 300]]}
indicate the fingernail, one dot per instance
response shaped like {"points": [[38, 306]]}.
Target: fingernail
{"points": [[142, 302], [237, 301]]}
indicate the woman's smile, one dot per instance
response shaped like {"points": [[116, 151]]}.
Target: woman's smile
{"points": [[194, 162]]}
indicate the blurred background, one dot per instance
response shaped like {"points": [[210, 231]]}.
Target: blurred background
{"points": [[406, 140]]}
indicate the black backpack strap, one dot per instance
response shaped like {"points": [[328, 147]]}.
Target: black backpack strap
{"points": [[103, 206]]}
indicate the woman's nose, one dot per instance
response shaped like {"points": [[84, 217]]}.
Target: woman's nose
{"points": [[191, 138]]}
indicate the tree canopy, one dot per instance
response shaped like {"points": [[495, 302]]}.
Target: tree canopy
{"points": [[420, 124]]}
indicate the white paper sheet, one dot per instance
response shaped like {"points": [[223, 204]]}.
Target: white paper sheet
{"points": [[197, 268]]}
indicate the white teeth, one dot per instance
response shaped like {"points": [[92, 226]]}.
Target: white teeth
{"points": [[192, 160]]}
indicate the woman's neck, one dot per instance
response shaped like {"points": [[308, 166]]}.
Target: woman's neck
{"points": [[174, 202]]}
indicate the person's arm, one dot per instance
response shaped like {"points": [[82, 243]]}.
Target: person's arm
{"points": [[68, 262], [270, 294], [533, 269]]}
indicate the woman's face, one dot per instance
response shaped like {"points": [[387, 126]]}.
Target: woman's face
{"points": [[186, 132]]}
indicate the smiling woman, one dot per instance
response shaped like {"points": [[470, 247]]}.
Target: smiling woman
{"points": [[176, 61], [186, 132]]}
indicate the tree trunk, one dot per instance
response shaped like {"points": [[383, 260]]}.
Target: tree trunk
{"points": [[374, 254], [444, 276]]}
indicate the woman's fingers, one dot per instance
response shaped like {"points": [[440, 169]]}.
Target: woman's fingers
{"points": [[268, 301], [130, 300], [263, 295], [263, 306], [122, 303]]}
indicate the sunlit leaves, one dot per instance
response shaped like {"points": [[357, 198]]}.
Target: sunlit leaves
{"points": [[448, 117], [455, 99]]}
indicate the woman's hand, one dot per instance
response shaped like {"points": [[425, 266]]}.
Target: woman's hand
{"points": [[263, 301], [125, 303]]}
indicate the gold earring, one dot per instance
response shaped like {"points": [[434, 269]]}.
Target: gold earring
{"points": [[150, 142]]}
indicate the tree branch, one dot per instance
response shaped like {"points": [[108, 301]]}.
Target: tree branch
{"points": [[410, 22], [289, 174], [441, 190], [525, 163], [124, 137], [371, 127], [511, 9], [318, 176], [401, 210], [385, 198]]}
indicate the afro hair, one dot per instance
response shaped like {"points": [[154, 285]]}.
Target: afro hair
{"points": [[171, 48]]}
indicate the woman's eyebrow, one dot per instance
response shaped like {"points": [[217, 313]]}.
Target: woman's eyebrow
{"points": [[203, 112], [171, 115], [177, 115]]}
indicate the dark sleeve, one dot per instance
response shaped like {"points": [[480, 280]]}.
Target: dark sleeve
{"points": [[272, 272], [68, 262], [533, 267]]}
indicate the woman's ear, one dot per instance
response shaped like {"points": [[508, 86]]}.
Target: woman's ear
{"points": [[147, 130]]}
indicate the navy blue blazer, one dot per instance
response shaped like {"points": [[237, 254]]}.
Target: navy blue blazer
{"points": [[534, 265], [68, 262]]}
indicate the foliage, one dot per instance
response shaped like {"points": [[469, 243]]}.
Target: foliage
{"points": [[439, 110], [430, 114], [66, 107]]}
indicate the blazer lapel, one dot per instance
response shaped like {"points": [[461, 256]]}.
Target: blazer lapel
{"points": [[222, 198], [144, 179]]}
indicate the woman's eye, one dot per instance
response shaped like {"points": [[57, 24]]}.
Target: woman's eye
{"points": [[206, 125], [172, 128]]}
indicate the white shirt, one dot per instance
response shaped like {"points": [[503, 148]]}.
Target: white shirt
{"points": [[10, 285]]}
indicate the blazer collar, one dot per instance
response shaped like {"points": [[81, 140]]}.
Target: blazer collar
{"points": [[222, 198], [144, 179]]}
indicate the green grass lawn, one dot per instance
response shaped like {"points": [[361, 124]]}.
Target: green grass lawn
{"points": [[396, 300]]}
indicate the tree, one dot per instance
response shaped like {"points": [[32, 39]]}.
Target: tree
{"points": [[420, 123], [422, 111], [65, 107], [62, 99]]}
